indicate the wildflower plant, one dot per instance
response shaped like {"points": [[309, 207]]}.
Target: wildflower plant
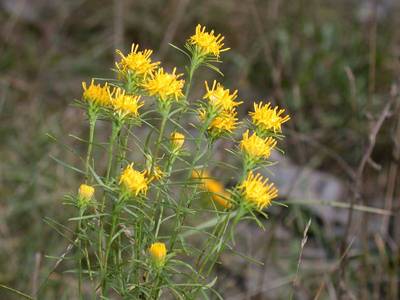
{"points": [[136, 216]]}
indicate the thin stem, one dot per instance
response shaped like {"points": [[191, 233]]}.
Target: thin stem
{"points": [[138, 242], [169, 163], [16, 292], [155, 291], [197, 157], [192, 69], [92, 124], [116, 127], [115, 218], [160, 136], [79, 256], [124, 145]]}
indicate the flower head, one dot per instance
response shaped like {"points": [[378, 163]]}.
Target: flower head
{"points": [[206, 42], [216, 188], [85, 194], [267, 118], [158, 252], [134, 181], [97, 94], [220, 97], [256, 190], [177, 141], [138, 62], [165, 86], [256, 147], [225, 122], [125, 105]]}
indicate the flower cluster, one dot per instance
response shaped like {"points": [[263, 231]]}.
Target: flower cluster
{"points": [[135, 182], [206, 42], [220, 98], [125, 105], [267, 118], [96, 94], [165, 86], [257, 191], [220, 110], [137, 62], [255, 147], [152, 202]]}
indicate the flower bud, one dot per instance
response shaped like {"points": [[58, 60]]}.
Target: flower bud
{"points": [[85, 194], [177, 140], [158, 252]]}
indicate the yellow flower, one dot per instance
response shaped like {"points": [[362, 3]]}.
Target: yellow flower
{"points": [[158, 252], [85, 194], [165, 86], [177, 141], [96, 93], [86, 191], [257, 147], [220, 97], [138, 62], [225, 122], [268, 118], [257, 191], [214, 187], [206, 42], [134, 181], [126, 105]]}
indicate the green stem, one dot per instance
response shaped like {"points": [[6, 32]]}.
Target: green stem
{"points": [[16, 292], [216, 249], [180, 219], [192, 69], [138, 242], [155, 291], [160, 136], [116, 127], [115, 218], [224, 236], [124, 145], [92, 123], [79, 255], [169, 163]]}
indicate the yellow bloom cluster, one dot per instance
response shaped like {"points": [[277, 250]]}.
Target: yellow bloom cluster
{"points": [[217, 190], [267, 118], [134, 181], [158, 252], [220, 97], [226, 122], [96, 93], [222, 103], [256, 147], [125, 105], [206, 42], [165, 86], [257, 191], [138, 62]]}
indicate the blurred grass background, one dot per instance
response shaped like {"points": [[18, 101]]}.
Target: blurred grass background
{"points": [[334, 65]]}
